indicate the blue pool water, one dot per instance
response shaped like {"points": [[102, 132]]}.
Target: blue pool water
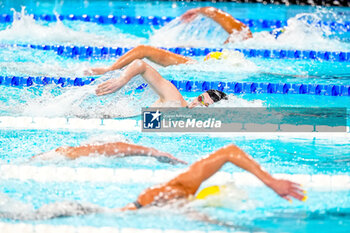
{"points": [[319, 161], [265, 213], [292, 154]]}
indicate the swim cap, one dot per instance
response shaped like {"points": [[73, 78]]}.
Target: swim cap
{"points": [[224, 196], [213, 55], [216, 95], [212, 190]]}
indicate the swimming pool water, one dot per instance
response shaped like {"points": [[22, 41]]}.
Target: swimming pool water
{"points": [[279, 154], [320, 161], [30, 62], [263, 212]]}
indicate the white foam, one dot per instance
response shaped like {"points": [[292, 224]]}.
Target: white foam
{"points": [[72, 123], [82, 102], [24, 29], [233, 62], [44, 228], [302, 33], [235, 101], [201, 32]]}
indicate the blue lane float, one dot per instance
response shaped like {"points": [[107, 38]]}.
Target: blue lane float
{"points": [[105, 52], [160, 21], [17, 81], [196, 86]]}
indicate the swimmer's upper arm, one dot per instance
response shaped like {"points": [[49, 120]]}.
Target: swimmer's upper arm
{"points": [[164, 88], [226, 21]]}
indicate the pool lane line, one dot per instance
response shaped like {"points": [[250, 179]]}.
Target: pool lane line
{"points": [[85, 52], [69, 123], [48, 228], [196, 86], [163, 20], [125, 175]]}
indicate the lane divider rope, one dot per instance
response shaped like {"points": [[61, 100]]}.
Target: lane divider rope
{"points": [[197, 86], [105, 52], [47, 228], [124, 175], [160, 21], [69, 123]]}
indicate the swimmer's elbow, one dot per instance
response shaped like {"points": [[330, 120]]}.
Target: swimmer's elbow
{"points": [[138, 63], [232, 149]]}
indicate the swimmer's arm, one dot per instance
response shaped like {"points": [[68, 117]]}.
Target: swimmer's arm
{"points": [[224, 19], [165, 89], [159, 56], [284, 188], [118, 148]]}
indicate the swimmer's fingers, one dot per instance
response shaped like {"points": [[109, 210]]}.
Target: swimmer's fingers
{"points": [[106, 88], [88, 72], [295, 184], [287, 198], [297, 187], [297, 195], [189, 15], [168, 158], [176, 161], [294, 192]]}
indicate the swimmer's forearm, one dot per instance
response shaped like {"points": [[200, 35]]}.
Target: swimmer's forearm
{"points": [[227, 22], [241, 159], [113, 85]]}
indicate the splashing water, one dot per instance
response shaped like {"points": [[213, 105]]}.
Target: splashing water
{"points": [[235, 101], [25, 62], [233, 62], [229, 197], [25, 29], [17, 210], [303, 32], [201, 32], [52, 101], [11, 208]]}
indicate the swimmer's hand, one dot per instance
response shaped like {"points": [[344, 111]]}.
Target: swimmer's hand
{"points": [[96, 71], [109, 86], [164, 157], [287, 189], [190, 15]]}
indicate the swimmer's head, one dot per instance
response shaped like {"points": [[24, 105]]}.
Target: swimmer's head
{"points": [[213, 55], [209, 191], [226, 196], [207, 98]]}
